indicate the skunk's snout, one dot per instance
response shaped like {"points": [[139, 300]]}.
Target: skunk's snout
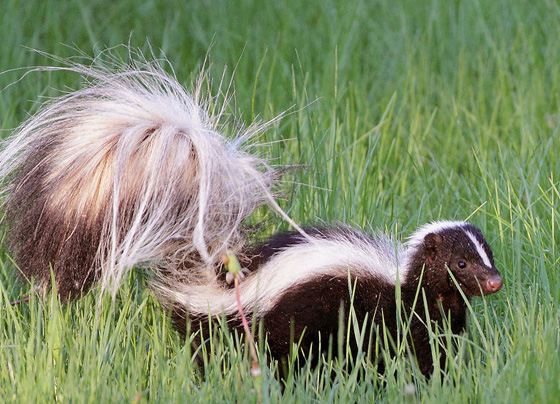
{"points": [[493, 284], [480, 280]]}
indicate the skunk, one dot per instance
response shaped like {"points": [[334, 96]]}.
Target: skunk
{"points": [[296, 285], [129, 171], [132, 171]]}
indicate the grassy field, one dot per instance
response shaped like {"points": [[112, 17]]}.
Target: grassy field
{"points": [[402, 112]]}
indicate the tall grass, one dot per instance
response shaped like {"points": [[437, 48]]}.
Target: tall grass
{"points": [[400, 111]]}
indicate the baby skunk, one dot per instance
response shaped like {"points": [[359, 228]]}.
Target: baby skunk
{"points": [[131, 171], [296, 285]]}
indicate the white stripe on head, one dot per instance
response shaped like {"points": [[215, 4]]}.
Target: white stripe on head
{"points": [[479, 248], [417, 238]]}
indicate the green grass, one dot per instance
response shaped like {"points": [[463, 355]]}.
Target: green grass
{"points": [[402, 111]]}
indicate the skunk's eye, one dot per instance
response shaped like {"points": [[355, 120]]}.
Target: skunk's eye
{"points": [[462, 264]]}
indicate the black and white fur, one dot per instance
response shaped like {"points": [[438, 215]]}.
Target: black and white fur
{"points": [[129, 171], [132, 171]]}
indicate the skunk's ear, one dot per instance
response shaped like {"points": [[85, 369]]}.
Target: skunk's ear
{"points": [[432, 241]]}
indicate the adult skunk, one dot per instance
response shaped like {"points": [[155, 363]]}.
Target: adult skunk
{"points": [[132, 171], [129, 171]]}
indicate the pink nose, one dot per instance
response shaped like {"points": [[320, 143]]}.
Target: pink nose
{"points": [[493, 284]]}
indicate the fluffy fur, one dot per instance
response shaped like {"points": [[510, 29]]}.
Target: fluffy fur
{"points": [[129, 171]]}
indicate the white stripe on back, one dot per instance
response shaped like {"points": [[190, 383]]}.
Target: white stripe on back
{"points": [[336, 256]]}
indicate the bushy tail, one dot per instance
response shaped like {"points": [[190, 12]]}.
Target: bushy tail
{"points": [[130, 170]]}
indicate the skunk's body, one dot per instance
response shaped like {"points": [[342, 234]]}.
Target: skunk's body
{"points": [[131, 171]]}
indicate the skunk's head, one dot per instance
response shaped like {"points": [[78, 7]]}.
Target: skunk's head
{"points": [[459, 247]]}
